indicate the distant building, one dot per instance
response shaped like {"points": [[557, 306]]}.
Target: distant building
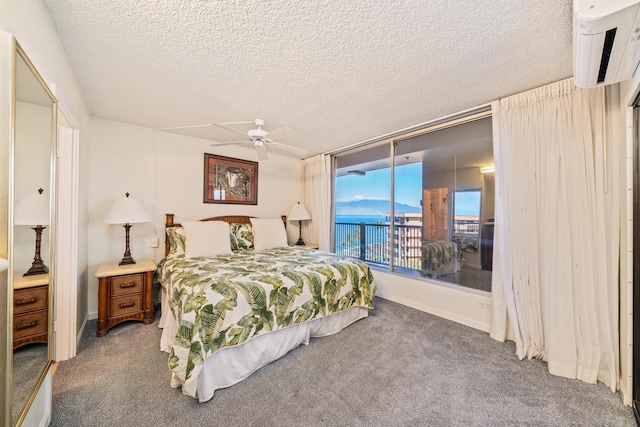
{"points": [[407, 238], [466, 225]]}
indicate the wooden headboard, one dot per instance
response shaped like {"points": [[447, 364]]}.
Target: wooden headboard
{"points": [[244, 219]]}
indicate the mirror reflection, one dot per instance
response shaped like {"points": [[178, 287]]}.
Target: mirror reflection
{"points": [[443, 205], [33, 138]]}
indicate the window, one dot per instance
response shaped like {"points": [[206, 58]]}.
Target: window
{"points": [[466, 219], [416, 204], [362, 204]]}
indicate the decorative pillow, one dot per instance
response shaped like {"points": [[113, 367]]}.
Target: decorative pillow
{"points": [[176, 240], [241, 236], [268, 233], [206, 238]]}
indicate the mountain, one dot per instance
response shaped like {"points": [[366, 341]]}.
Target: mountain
{"points": [[371, 207]]}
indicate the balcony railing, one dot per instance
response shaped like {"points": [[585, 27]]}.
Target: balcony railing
{"points": [[368, 242], [466, 226]]}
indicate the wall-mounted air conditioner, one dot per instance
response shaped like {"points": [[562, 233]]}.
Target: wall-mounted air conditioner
{"points": [[606, 43]]}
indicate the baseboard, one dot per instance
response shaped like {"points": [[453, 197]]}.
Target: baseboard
{"points": [[81, 331], [437, 312], [92, 315]]}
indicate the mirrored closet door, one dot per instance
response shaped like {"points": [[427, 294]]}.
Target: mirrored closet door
{"points": [[27, 156]]}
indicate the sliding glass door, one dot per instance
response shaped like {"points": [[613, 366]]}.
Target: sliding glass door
{"points": [[362, 204], [421, 204]]}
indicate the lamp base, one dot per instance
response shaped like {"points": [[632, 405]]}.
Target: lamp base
{"points": [[127, 259], [37, 267], [300, 242]]}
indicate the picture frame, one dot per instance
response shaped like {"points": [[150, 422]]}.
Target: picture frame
{"points": [[230, 181]]}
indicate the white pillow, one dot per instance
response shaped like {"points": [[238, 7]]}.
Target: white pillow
{"points": [[268, 233], [206, 238]]}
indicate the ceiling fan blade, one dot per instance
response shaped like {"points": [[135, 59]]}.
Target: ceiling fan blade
{"points": [[230, 129], [280, 134], [219, 144], [261, 150], [284, 147], [187, 127], [238, 123]]}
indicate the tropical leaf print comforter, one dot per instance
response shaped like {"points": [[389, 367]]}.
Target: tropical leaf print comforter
{"points": [[436, 254], [226, 300]]}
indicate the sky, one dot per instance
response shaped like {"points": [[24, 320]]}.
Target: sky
{"points": [[408, 188], [375, 185]]}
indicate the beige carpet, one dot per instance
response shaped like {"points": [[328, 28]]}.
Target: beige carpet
{"points": [[399, 367]]}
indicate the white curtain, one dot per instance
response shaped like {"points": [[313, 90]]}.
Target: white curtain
{"points": [[316, 193], [556, 246]]}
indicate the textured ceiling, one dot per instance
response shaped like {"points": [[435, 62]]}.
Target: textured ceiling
{"points": [[336, 72]]}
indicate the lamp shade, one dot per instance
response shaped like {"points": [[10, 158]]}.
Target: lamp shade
{"points": [[299, 213], [32, 209], [126, 210]]}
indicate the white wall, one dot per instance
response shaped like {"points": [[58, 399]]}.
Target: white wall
{"points": [[32, 171], [165, 172], [463, 305], [29, 22]]}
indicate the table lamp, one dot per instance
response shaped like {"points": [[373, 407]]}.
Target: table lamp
{"points": [[299, 213], [33, 210], [126, 211]]}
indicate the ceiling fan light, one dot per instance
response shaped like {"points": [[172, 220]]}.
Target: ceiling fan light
{"points": [[488, 169]]}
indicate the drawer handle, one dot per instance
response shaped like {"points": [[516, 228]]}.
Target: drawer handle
{"points": [[127, 304], [25, 301], [27, 325], [127, 285]]}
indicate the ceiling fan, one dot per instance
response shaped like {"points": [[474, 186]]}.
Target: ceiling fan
{"points": [[259, 138]]}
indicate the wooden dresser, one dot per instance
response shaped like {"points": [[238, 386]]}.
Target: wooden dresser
{"points": [[30, 309], [125, 292]]}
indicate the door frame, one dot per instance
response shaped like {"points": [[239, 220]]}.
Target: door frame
{"points": [[66, 281]]}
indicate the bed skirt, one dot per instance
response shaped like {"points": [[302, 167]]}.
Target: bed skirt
{"points": [[231, 365]]}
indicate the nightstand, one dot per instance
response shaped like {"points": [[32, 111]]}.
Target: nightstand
{"points": [[311, 245], [125, 292], [30, 309]]}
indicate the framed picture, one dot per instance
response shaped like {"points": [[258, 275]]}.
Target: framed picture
{"points": [[228, 180]]}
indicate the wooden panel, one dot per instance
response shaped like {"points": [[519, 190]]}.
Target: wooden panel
{"points": [[128, 284], [435, 213]]}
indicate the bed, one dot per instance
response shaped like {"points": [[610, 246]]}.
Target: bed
{"points": [[440, 257], [226, 315]]}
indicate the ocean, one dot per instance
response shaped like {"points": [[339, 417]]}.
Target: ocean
{"points": [[343, 242], [357, 219]]}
